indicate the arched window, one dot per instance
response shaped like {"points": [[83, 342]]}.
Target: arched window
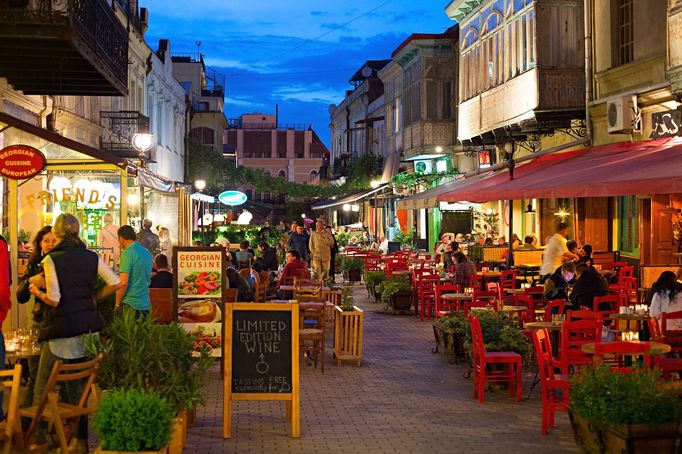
{"points": [[313, 175], [282, 174]]}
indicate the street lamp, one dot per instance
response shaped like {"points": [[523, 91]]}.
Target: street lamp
{"points": [[375, 184], [142, 142], [201, 185]]}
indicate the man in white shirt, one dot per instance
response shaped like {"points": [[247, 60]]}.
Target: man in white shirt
{"points": [[556, 251]]}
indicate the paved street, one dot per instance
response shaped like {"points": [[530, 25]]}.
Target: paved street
{"points": [[403, 399]]}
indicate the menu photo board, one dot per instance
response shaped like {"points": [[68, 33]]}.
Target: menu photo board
{"points": [[261, 358], [198, 295]]}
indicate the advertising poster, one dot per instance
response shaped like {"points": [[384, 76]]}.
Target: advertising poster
{"points": [[198, 294]]}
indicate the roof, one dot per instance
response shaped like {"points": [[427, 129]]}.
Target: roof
{"points": [[418, 36], [625, 168], [375, 65]]}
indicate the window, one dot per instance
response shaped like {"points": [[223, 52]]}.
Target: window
{"points": [[205, 136], [313, 175], [625, 31], [282, 174], [628, 232], [439, 91]]}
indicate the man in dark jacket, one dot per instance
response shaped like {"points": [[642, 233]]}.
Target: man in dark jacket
{"points": [[149, 239], [556, 285], [268, 257], [589, 284], [298, 240]]}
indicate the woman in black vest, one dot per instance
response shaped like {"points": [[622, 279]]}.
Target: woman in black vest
{"points": [[70, 277]]}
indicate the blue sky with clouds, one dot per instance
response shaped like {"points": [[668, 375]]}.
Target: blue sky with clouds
{"points": [[266, 47]]}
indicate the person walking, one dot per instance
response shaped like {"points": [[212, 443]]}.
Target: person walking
{"points": [[149, 239], [298, 240], [71, 272], [320, 245], [556, 252], [136, 272], [334, 251], [166, 244]]}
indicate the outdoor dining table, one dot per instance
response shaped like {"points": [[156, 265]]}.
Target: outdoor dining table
{"points": [[529, 270], [515, 291], [457, 296], [655, 348], [291, 288], [639, 318]]}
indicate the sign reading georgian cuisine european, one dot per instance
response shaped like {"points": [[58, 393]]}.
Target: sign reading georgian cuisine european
{"points": [[21, 162]]}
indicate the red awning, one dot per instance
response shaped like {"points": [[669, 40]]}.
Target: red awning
{"points": [[648, 167]]}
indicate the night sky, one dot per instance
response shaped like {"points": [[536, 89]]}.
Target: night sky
{"points": [[268, 51]]}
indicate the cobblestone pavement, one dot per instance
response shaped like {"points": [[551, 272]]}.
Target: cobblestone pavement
{"points": [[404, 399]]}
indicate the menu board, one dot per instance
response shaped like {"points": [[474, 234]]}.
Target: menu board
{"points": [[261, 358], [198, 296], [261, 347]]}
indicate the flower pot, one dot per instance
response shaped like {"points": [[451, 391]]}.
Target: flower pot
{"points": [[401, 301], [452, 343], [348, 328], [624, 439], [354, 275], [371, 291]]}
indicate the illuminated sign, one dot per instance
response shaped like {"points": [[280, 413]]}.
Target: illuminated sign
{"points": [[232, 198], [20, 162], [484, 159]]}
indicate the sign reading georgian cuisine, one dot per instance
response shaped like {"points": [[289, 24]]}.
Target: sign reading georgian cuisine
{"points": [[21, 162]]}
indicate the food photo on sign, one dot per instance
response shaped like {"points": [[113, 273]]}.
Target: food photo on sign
{"points": [[199, 288]]}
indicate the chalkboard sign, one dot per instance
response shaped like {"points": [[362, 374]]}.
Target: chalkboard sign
{"points": [[261, 352], [261, 358]]}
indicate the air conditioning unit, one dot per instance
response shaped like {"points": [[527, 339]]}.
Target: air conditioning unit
{"points": [[623, 115]]}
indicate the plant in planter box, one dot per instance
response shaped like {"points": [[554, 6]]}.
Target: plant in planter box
{"points": [[450, 332], [352, 268], [133, 421], [372, 280], [624, 412], [347, 300], [396, 293]]}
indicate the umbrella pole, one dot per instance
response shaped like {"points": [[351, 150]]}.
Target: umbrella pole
{"points": [[510, 253]]}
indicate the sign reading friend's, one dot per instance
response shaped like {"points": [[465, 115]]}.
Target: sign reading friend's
{"points": [[261, 358]]}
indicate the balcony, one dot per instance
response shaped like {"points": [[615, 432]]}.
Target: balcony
{"points": [[63, 47], [119, 129]]}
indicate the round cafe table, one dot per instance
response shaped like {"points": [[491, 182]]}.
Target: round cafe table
{"points": [[457, 296], [552, 326], [655, 348], [639, 318], [515, 291]]}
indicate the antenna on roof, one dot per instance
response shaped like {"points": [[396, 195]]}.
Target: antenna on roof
{"points": [[198, 44]]}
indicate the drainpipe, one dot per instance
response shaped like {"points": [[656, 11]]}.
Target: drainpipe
{"points": [[589, 14]]}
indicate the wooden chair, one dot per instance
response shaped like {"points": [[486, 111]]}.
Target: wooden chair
{"points": [[162, 305], [445, 307], [308, 290], [573, 336], [525, 300], [230, 295], [11, 427], [331, 299], [560, 305], [672, 335], [260, 292], [511, 374], [667, 365], [426, 294], [550, 382], [312, 321], [617, 351], [582, 314], [53, 411], [496, 288], [606, 306]]}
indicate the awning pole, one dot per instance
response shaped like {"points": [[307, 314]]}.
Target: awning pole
{"points": [[13, 243], [510, 253]]}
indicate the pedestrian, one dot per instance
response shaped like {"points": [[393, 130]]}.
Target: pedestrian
{"points": [[320, 245], [163, 278], [334, 251], [136, 272], [166, 244], [71, 272], [108, 238], [5, 303], [298, 240], [556, 252], [43, 243], [149, 239]]}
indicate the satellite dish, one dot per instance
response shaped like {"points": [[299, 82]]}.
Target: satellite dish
{"points": [[366, 71], [332, 108]]}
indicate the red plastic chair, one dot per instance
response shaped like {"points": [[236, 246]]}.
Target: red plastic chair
{"points": [[582, 314], [525, 300], [606, 306], [573, 336], [416, 277], [511, 374], [550, 382], [444, 307], [672, 336], [475, 282], [494, 287], [618, 350], [667, 365], [559, 304], [395, 264], [426, 294]]}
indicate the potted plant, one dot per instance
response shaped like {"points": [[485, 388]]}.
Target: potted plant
{"points": [[408, 240], [352, 268], [450, 333], [615, 412], [133, 421], [500, 334], [396, 294], [372, 280], [143, 355], [348, 330]]}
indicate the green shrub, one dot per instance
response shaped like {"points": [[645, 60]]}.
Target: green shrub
{"points": [[140, 354], [352, 264], [456, 322], [391, 287], [610, 398], [133, 420], [374, 277], [501, 334]]}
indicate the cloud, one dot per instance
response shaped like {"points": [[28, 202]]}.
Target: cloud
{"points": [[242, 102], [318, 13], [307, 93]]}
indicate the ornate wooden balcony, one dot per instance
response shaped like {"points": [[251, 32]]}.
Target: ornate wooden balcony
{"points": [[119, 129], [63, 47]]}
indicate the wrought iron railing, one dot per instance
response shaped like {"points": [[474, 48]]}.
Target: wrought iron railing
{"points": [[93, 21], [119, 129]]}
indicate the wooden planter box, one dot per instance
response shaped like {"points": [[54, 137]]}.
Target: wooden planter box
{"points": [[451, 343], [354, 275], [163, 450], [179, 434], [624, 439], [348, 326]]}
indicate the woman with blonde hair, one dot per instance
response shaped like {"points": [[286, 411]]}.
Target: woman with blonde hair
{"points": [[166, 244]]}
